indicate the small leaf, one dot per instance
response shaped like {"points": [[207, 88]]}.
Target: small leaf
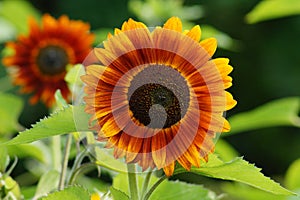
{"points": [[281, 112], [225, 151], [237, 170], [267, 9], [67, 120], [48, 182], [60, 101], [74, 73], [175, 190], [106, 159], [9, 8], [292, 179], [118, 194], [74, 193], [10, 109], [37, 150], [12, 188]]}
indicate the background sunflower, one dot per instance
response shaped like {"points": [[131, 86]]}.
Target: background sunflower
{"points": [[40, 59]]}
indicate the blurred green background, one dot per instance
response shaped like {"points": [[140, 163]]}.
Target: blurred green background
{"points": [[265, 56]]}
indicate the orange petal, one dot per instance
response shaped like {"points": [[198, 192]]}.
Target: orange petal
{"points": [[222, 65], [131, 24], [226, 127], [169, 169], [174, 23], [230, 102], [49, 23], [159, 147], [195, 33], [134, 146], [117, 31], [210, 45], [95, 70], [109, 35], [34, 28], [90, 80]]}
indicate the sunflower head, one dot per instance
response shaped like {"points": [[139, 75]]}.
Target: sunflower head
{"points": [[157, 97], [41, 56]]}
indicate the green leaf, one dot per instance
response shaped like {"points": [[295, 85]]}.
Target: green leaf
{"points": [[239, 191], [10, 109], [106, 159], [37, 150], [24, 9], [8, 32], [47, 183], [74, 72], [4, 159], [67, 120], [225, 151], [167, 190], [60, 101], [175, 190], [237, 170], [5, 82], [292, 179], [118, 194], [281, 112], [12, 188], [267, 9], [74, 193]]}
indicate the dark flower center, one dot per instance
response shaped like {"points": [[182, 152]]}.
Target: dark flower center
{"points": [[158, 96], [52, 60]]}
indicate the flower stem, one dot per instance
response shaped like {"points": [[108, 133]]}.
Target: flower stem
{"points": [[154, 187], [146, 183], [134, 194], [64, 166], [56, 152]]}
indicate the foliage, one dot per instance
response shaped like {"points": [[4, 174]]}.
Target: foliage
{"points": [[89, 171], [275, 9]]}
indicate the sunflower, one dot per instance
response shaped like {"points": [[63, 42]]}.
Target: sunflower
{"points": [[157, 97], [41, 57]]}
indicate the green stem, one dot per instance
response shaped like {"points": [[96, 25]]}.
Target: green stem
{"points": [[65, 163], [78, 160], [134, 194], [154, 187], [146, 183], [56, 152], [81, 170]]}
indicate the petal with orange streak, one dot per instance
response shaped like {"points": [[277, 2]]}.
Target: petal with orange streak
{"points": [[174, 23], [210, 45], [195, 33], [169, 169]]}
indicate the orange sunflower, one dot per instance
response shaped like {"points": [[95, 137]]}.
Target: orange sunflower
{"points": [[157, 97], [41, 57]]}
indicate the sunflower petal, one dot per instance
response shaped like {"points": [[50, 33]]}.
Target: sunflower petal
{"points": [[131, 25], [230, 102], [169, 169], [159, 147], [174, 23], [195, 33], [210, 45]]}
